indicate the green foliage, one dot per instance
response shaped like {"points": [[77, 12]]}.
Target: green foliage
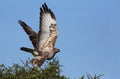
{"points": [[92, 77], [50, 70]]}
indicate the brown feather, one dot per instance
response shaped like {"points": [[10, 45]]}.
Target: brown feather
{"points": [[32, 35], [26, 49]]}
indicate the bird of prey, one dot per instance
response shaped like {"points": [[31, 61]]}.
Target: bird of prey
{"points": [[43, 41]]}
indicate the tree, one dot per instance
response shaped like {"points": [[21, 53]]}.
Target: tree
{"points": [[50, 70]]}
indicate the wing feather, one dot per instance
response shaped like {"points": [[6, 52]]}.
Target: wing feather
{"points": [[32, 35], [47, 19]]}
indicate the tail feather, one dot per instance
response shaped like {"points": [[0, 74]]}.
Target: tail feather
{"points": [[26, 49]]}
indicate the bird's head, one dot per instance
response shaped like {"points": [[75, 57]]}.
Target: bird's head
{"points": [[56, 50]]}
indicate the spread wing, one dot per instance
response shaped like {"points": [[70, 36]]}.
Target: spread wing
{"points": [[32, 35], [48, 28]]}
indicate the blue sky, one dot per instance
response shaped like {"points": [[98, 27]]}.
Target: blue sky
{"points": [[89, 34]]}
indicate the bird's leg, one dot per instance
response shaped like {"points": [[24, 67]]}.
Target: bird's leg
{"points": [[38, 60]]}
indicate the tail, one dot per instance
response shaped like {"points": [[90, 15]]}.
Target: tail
{"points": [[33, 52], [26, 49]]}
